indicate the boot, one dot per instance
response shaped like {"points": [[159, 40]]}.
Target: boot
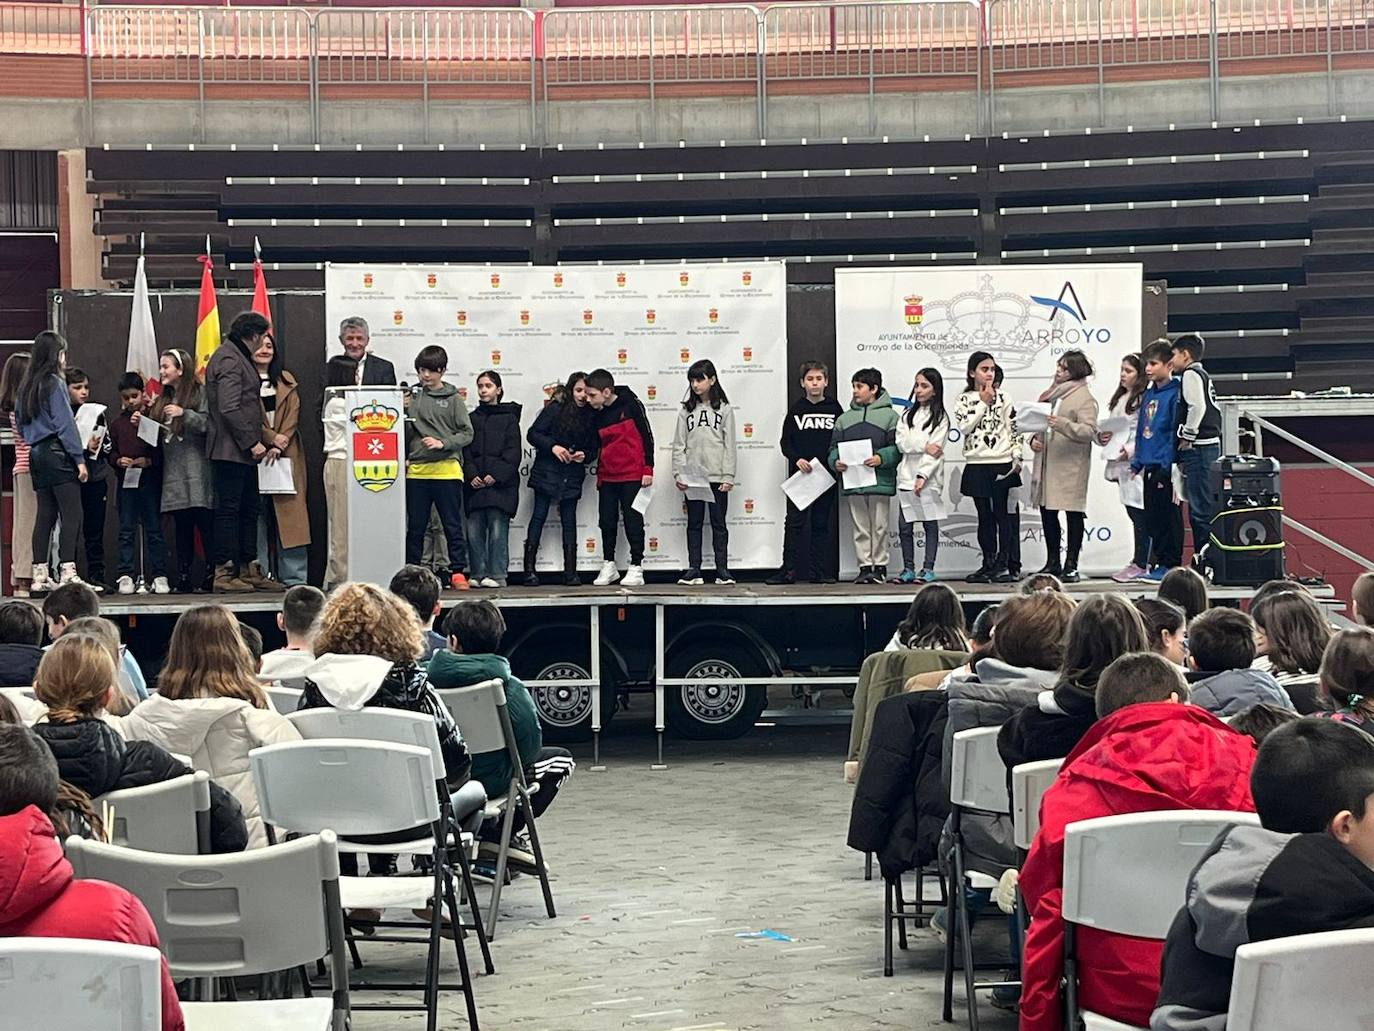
{"points": [[228, 581], [1053, 567], [42, 583], [530, 578], [207, 582], [1071, 574], [183, 581], [67, 574], [260, 581], [571, 578]]}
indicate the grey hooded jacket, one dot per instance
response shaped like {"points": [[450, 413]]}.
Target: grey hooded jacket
{"points": [[1235, 690]]}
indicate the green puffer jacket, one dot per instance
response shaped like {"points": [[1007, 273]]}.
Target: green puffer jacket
{"points": [[876, 423], [454, 669]]}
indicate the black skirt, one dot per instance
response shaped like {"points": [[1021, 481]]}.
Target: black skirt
{"points": [[50, 465], [988, 480]]}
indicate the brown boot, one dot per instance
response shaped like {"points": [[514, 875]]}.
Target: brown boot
{"points": [[227, 580], [260, 581]]}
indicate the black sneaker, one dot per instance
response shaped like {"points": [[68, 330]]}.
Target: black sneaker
{"points": [[782, 578], [1071, 575], [519, 856], [1003, 576], [823, 578], [528, 579], [691, 578], [724, 577], [981, 576], [863, 577]]}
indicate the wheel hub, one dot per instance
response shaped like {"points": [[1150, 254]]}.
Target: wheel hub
{"points": [[713, 702], [565, 705]]}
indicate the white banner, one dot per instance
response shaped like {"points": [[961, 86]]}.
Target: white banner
{"points": [[646, 324], [900, 320]]}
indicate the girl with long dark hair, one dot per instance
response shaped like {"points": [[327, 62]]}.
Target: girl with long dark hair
{"points": [[188, 491], [491, 464], [565, 443], [922, 433], [705, 437], [284, 526], [57, 458], [1125, 402], [1063, 463], [992, 464]]}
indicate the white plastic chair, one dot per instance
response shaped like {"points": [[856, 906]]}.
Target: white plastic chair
{"points": [[75, 983], [30, 709], [363, 788], [283, 699], [1308, 981], [480, 712], [1129, 875], [1029, 782], [172, 816], [256, 912], [978, 783]]}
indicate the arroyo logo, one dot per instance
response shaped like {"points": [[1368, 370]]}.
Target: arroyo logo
{"points": [[1056, 305]]}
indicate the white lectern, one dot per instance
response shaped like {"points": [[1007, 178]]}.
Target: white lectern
{"points": [[377, 487]]}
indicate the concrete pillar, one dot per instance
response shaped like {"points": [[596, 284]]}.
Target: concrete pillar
{"points": [[79, 248]]}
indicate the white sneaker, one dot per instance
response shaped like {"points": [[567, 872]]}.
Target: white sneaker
{"points": [[488, 581], [67, 574], [41, 582], [142, 587], [634, 577], [609, 574], [125, 585], [161, 586]]}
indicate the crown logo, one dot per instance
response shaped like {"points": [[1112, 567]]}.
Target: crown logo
{"points": [[620, 279], [367, 280], [915, 310], [980, 319], [748, 431], [749, 506], [374, 417], [558, 279], [496, 280], [432, 280], [748, 354], [746, 277], [713, 314]]}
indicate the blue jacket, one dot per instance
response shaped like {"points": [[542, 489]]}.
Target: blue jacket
{"points": [[1154, 434], [53, 419]]}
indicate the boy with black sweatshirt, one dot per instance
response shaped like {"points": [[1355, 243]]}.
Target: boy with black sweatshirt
{"points": [[806, 433], [1308, 867], [1199, 435], [626, 464]]}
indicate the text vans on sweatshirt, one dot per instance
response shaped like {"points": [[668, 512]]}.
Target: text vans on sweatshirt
{"points": [[877, 424], [807, 429], [705, 436], [439, 413], [912, 440], [1154, 433], [627, 442], [988, 430]]}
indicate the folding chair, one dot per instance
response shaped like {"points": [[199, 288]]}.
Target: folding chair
{"points": [[30, 709], [172, 816], [75, 983], [401, 727], [365, 787], [284, 699], [978, 784], [480, 712], [897, 910], [1129, 875], [257, 912], [1305, 981], [1029, 782]]}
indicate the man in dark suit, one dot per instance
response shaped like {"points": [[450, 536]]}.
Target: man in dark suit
{"points": [[372, 370]]}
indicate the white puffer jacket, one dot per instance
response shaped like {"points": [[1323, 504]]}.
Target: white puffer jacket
{"points": [[912, 442], [217, 734]]}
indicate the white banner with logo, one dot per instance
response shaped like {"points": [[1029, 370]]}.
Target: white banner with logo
{"points": [[646, 324], [900, 320]]}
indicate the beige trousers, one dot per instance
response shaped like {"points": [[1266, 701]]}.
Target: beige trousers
{"points": [[21, 543], [872, 514], [336, 501]]}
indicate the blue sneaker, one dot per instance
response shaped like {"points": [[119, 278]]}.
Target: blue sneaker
{"points": [[906, 576], [926, 576], [1156, 574]]}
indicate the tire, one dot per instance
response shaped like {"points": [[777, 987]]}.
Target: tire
{"points": [[565, 713], [707, 712]]}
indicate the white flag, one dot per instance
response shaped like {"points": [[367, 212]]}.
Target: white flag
{"points": [[142, 356]]}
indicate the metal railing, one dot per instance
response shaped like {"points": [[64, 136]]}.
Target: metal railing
{"points": [[986, 52]]}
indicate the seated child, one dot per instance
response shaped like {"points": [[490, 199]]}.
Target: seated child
{"points": [[1261, 720], [252, 640], [1347, 677], [21, 643], [74, 600], [1221, 647], [1308, 867], [300, 611], [419, 588]]}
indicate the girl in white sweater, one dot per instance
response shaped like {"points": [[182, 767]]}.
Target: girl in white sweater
{"points": [[992, 465], [922, 433], [1126, 401]]}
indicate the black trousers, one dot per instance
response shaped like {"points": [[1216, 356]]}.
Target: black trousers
{"points": [[720, 533], [95, 495], [1140, 554], [63, 501], [447, 497], [819, 514], [1163, 519], [998, 529], [567, 514], [236, 512], [613, 503], [1049, 521], [186, 522]]}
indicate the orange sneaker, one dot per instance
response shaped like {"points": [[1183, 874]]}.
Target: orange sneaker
{"points": [[459, 582]]}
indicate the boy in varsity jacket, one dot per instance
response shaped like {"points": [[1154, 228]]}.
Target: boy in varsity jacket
{"points": [[1154, 459], [1199, 436], [626, 464], [806, 433]]}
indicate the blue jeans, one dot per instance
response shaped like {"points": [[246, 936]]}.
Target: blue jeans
{"points": [[141, 506], [1196, 463], [293, 564], [488, 544]]}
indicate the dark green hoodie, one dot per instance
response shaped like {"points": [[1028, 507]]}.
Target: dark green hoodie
{"points": [[437, 413], [453, 669], [877, 424]]}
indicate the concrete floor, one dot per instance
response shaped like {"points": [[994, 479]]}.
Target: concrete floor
{"points": [[656, 872]]}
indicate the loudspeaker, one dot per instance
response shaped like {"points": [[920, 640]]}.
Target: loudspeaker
{"points": [[1246, 545]]}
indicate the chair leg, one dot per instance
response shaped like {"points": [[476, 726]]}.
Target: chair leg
{"points": [[455, 918], [432, 962], [469, 896], [966, 939], [901, 909], [305, 982], [503, 852], [948, 1010], [538, 855], [868, 866], [887, 927]]}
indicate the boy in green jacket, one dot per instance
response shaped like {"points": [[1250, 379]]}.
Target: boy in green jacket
{"points": [[870, 418], [475, 629], [437, 430]]}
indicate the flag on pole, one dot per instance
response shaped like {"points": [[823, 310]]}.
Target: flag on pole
{"points": [[260, 285], [207, 314], [142, 353]]}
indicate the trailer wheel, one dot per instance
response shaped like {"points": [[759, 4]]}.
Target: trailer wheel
{"points": [[712, 711], [565, 711]]}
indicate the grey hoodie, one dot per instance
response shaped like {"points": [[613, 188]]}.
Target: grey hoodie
{"points": [[437, 413], [1235, 690], [705, 436]]}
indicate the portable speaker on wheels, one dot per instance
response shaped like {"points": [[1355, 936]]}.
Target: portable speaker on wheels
{"points": [[1246, 544]]}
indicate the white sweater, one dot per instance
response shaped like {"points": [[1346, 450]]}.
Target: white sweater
{"points": [[335, 428], [912, 442], [989, 435]]}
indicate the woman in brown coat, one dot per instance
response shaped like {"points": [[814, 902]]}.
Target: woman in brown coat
{"points": [[1063, 462], [285, 524]]}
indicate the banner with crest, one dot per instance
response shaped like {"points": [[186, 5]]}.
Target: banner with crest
{"points": [[900, 320], [646, 324]]}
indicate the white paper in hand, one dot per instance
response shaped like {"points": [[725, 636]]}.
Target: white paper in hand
{"points": [[1033, 417], [705, 494], [927, 506], [149, 431], [275, 477], [642, 500], [86, 418], [853, 453], [1119, 429], [802, 489], [131, 477]]}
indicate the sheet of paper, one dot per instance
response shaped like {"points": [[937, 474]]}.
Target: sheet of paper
{"points": [[1119, 426], [853, 453], [706, 494], [1132, 490], [275, 477], [131, 477], [923, 507], [694, 475], [1033, 417], [641, 502], [149, 432], [804, 488], [86, 418]]}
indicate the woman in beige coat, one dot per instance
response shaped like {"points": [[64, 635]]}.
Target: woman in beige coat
{"points": [[1063, 461], [290, 514]]}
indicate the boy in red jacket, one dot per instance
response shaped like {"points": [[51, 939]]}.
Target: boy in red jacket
{"points": [[1146, 753], [626, 464], [39, 898]]}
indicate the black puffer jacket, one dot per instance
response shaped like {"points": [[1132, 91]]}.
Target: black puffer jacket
{"points": [[494, 451], [93, 757], [900, 804], [18, 663], [549, 476]]}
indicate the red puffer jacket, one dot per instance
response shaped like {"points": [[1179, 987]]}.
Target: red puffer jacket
{"points": [[39, 898], [1143, 758]]}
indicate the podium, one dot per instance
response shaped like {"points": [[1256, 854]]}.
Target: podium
{"points": [[377, 482]]}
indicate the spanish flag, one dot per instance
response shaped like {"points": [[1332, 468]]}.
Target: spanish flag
{"points": [[207, 314], [260, 304]]}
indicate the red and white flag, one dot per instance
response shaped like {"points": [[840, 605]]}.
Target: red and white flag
{"points": [[142, 353], [260, 285]]}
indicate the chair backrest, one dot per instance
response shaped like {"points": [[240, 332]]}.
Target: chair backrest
{"points": [[30, 709], [159, 817], [1311, 980], [1129, 874], [348, 786], [398, 726], [229, 915], [1029, 782], [480, 712], [76, 983], [978, 777], [282, 698]]}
